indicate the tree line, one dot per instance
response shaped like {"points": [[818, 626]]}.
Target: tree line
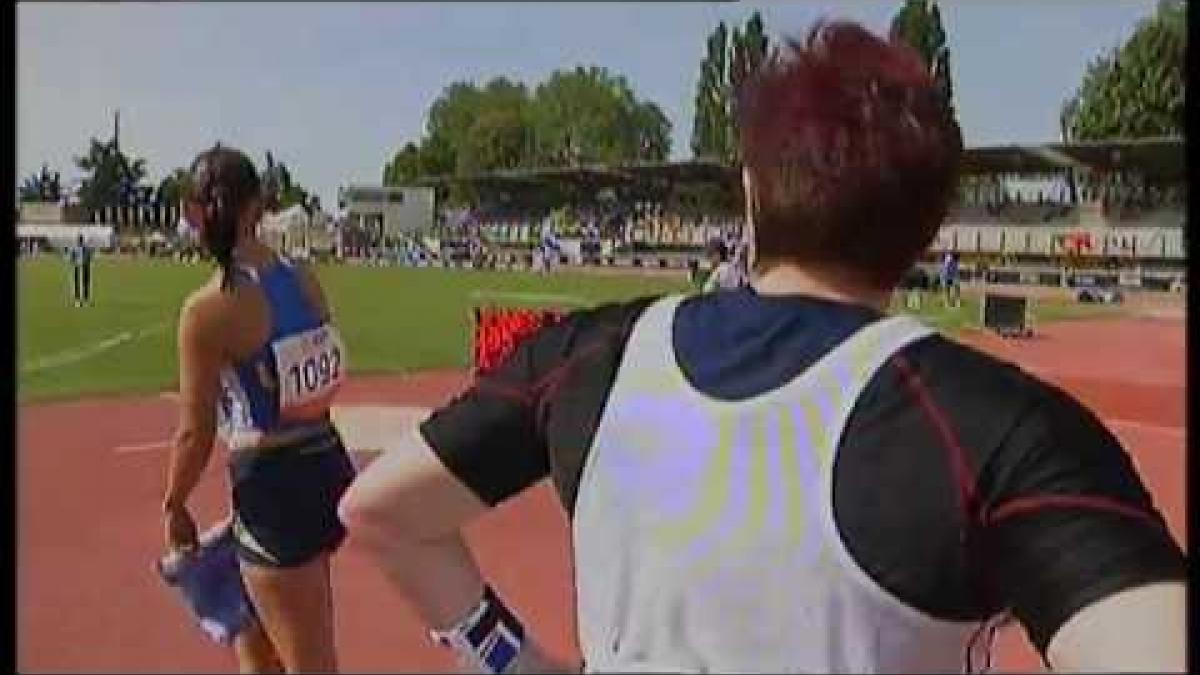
{"points": [[579, 116], [590, 114], [1135, 90], [115, 187]]}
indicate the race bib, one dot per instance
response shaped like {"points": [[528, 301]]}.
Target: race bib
{"points": [[310, 367]]}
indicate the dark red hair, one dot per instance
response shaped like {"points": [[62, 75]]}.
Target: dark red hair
{"points": [[852, 152]]}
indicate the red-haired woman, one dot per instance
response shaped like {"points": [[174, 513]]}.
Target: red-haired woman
{"points": [[783, 478]]}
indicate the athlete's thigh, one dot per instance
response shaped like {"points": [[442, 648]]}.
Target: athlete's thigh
{"points": [[295, 605]]}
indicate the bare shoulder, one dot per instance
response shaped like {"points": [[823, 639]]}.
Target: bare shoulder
{"points": [[205, 311]]}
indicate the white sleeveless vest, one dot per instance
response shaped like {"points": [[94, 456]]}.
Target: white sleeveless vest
{"points": [[704, 533]]}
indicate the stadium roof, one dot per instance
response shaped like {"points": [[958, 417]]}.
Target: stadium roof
{"points": [[694, 170], [1158, 156], [1163, 156], [685, 171]]}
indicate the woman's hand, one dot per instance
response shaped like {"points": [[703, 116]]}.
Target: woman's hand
{"points": [[180, 529]]}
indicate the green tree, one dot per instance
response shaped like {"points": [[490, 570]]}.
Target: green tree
{"points": [[43, 186], [592, 115], [500, 133], [30, 189], [711, 120], [447, 123], [730, 59], [173, 187], [1136, 90], [919, 23], [110, 175], [453, 117], [748, 50], [652, 130], [271, 180], [282, 191], [1066, 114], [171, 191], [579, 115], [437, 156], [405, 167], [498, 139]]}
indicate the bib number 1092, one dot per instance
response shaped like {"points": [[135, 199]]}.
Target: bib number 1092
{"points": [[317, 371], [311, 368]]}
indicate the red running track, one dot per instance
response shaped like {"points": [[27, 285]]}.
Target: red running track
{"points": [[89, 529]]}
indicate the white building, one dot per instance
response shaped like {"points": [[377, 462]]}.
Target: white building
{"points": [[57, 226], [388, 212], [294, 232], [100, 237]]}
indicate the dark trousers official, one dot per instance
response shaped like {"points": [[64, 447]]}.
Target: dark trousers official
{"points": [[83, 283]]}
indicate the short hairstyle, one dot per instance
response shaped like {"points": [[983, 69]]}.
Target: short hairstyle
{"points": [[852, 152]]}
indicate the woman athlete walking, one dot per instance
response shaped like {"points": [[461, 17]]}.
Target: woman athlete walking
{"points": [[259, 363]]}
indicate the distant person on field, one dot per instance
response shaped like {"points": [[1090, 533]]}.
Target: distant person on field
{"points": [[80, 256], [948, 279], [785, 477], [724, 274], [548, 248]]}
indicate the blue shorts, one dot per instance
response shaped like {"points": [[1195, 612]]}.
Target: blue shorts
{"points": [[285, 500]]}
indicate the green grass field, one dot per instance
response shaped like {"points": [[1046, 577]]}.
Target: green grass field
{"points": [[393, 319]]}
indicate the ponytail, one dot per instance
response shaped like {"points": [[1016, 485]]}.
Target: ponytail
{"points": [[220, 232], [223, 182]]}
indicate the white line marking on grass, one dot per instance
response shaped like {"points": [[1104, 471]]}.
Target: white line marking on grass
{"points": [[77, 354], [141, 447], [528, 297]]}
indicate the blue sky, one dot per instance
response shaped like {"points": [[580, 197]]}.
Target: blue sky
{"points": [[335, 89]]}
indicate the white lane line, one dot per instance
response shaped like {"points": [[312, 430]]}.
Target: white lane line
{"points": [[1167, 430], [365, 429], [527, 297], [369, 428], [141, 447], [77, 354]]}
